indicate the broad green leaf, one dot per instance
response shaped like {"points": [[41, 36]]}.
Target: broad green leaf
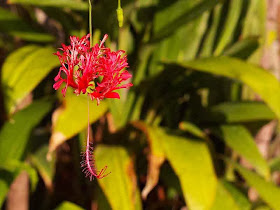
{"points": [[16, 167], [255, 25], [268, 191], [5, 181], [261, 81], [191, 161], [240, 140], [44, 167], [223, 199], [230, 25], [174, 17], [14, 135], [262, 207], [23, 70], [120, 187], [9, 171], [71, 4], [193, 129], [229, 197], [233, 112], [275, 164], [243, 49], [66, 205], [209, 43], [15, 26], [238, 196], [156, 157], [195, 172], [72, 117], [181, 45]]}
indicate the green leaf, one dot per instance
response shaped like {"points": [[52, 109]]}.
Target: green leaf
{"points": [[66, 205], [5, 181], [72, 117], [195, 172], [191, 161], [254, 23], [23, 70], [255, 26], [193, 129], [268, 191], [209, 43], [230, 25], [70, 4], [238, 196], [223, 199], [275, 164], [124, 194], [16, 167], [229, 197], [44, 167], [261, 81], [15, 26], [174, 17], [240, 140], [262, 207], [9, 171], [243, 49], [233, 112], [183, 44], [14, 135]]}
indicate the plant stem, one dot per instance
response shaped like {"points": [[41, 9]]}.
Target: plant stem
{"points": [[90, 23]]}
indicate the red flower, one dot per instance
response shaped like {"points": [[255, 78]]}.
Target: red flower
{"points": [[97, 70]]}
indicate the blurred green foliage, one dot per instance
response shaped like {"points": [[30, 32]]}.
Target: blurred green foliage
{"points": [[183, 135]]}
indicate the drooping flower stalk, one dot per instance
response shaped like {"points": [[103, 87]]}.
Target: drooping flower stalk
{"points": [[88, 162], [90, 21], [93, 70]]}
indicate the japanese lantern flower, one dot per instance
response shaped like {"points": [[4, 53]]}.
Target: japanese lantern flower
{"points": [[96, 71]]}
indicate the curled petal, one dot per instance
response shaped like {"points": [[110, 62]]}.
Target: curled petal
{"points": [[112, 95], [57, 85]]}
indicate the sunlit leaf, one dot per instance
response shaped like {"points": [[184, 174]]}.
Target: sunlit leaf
{"points": [[240, 140], [192, 163], [44, 167], [5, 181], [15, 26], [239, 197], [268, 191], [261, 81], [232, 112], [229, 25], [23, 70], [9, 171], [14, 135], [72, 116], [71, 4], [66, 205], [156, 156], [209, 42], [193, 129], [195, 172], [120, 187], [243, 49], [223, 199], [275, 164], [255, 25], [174, 17]]}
